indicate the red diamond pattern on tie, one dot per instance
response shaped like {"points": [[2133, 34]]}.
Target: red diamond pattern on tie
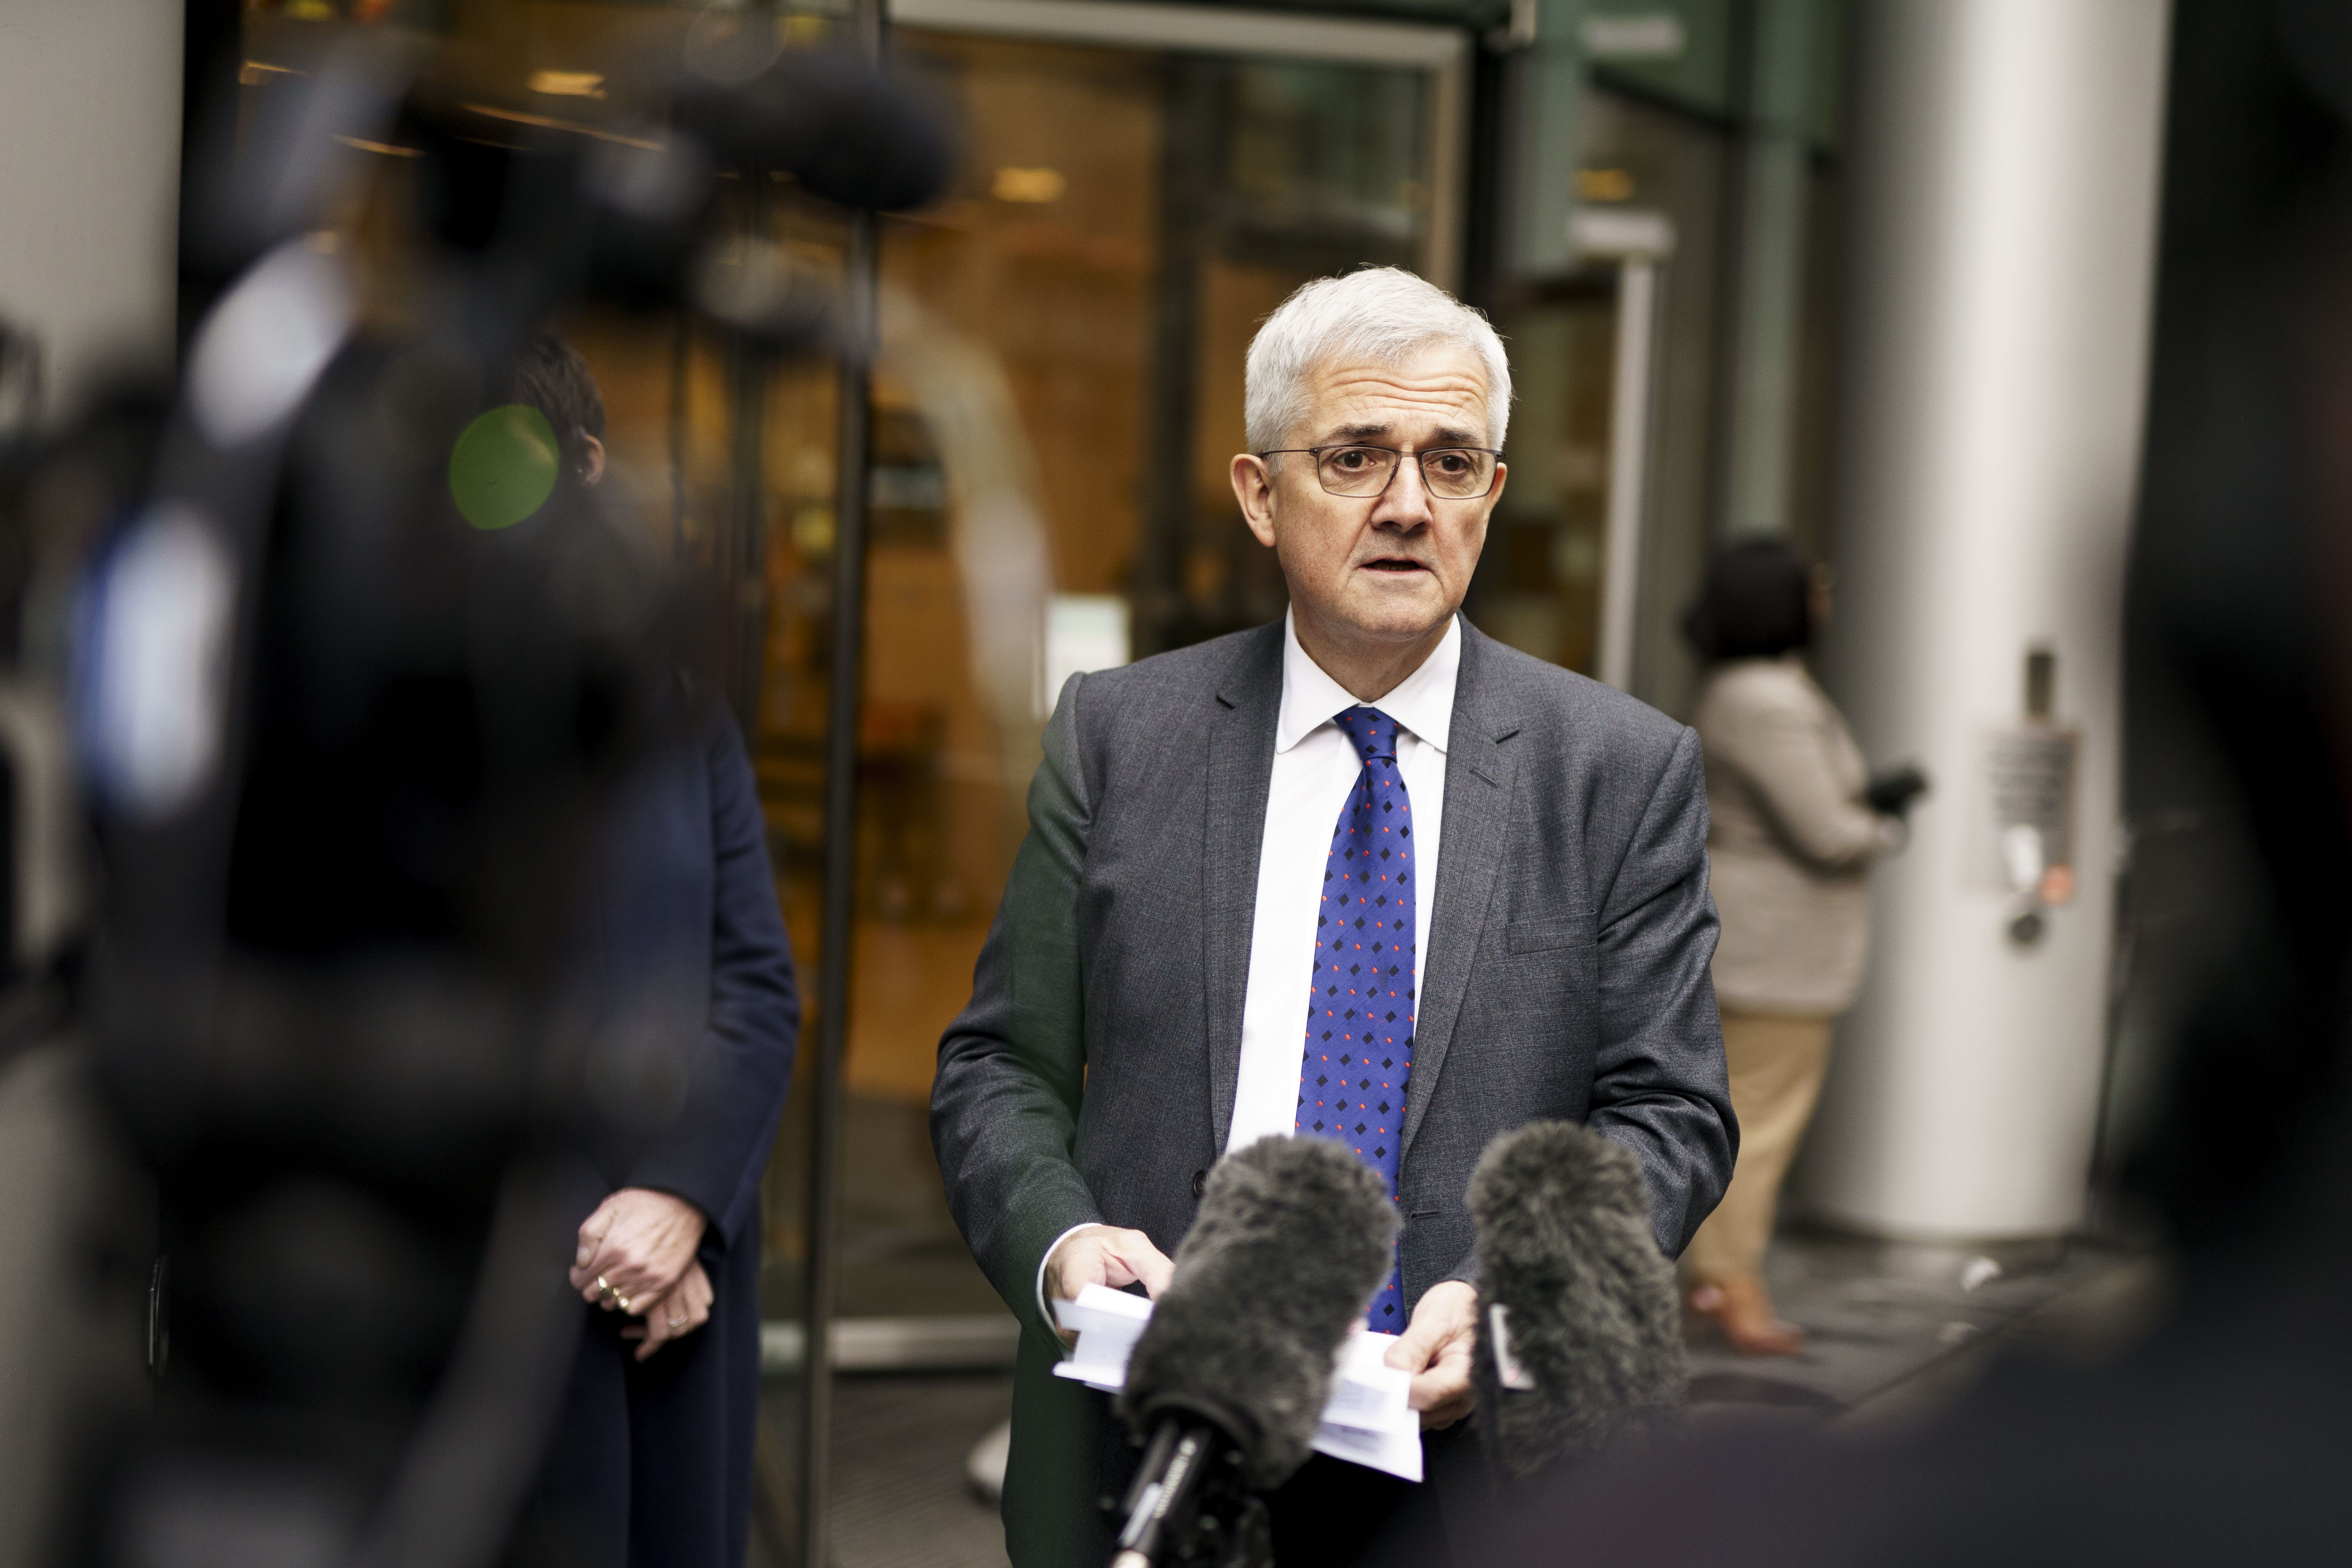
{"points": [[1351, 1084]]}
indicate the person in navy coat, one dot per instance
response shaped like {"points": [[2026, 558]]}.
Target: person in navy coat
{"points": [[688, 978]]}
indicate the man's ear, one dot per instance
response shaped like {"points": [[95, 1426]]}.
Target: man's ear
{"points": [[1254, 487], [592, 460]]}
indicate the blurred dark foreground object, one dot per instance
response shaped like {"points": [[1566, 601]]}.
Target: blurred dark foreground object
{"points": [[1891, 793], [351, 672]]}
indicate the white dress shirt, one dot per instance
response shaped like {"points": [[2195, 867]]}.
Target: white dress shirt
{"points": [[1314, 766]]}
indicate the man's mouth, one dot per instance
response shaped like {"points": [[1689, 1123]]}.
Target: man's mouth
{"points": [[1399, 564]]}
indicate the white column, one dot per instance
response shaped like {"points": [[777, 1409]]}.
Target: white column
{"points": [[2004, 194], [90, 122]]}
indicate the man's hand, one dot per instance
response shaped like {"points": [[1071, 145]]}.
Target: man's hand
{"points": [[1435, 1347], [634, 1249], [1103, 1254], [674, 1316]]}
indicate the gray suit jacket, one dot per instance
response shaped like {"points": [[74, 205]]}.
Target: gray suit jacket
{"points": [[1092, 1076]]}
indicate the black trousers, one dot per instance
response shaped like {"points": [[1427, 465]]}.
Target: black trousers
{"points": [[1333, 1514]]}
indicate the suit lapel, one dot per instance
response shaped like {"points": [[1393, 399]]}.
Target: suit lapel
{"points": [[1479, 772], [1240, 766]]}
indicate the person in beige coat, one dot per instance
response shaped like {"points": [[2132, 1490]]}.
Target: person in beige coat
{"points": [[1796, 823]]}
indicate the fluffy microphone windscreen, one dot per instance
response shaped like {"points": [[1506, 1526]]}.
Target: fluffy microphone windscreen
{"points": [[1293, 1237], [1595, 1323]]}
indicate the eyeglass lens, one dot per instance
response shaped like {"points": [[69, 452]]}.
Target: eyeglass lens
{"points": [[1452, 473]]}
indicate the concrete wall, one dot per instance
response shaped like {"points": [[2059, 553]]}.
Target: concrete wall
{"points": [[2004, 191], [89, 170]]}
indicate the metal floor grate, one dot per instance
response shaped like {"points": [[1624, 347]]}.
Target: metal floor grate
{"points": [[901, 1499]]}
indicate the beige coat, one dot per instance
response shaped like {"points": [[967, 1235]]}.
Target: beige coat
{"points": [[1790, 847]]}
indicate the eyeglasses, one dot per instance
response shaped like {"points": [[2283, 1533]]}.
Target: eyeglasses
{"points": [[1452, 473]]}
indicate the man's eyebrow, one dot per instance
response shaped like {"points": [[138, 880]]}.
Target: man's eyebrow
{"points": [[1446, 436]]}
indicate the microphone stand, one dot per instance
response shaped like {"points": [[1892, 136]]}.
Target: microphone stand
{"points": [[1188, 1504]]}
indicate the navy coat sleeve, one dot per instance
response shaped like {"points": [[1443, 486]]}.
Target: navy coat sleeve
{"points": [[714, 1148]]}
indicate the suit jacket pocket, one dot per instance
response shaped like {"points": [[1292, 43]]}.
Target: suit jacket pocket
{"points": [[1545, 935]]}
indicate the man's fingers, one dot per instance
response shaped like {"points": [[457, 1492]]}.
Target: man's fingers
{"points": [[1155, 1272], [1141, 1262], [1413, 1349], [1105, 1255], [1420, 1343], [1445, 1414], [1443, 1392], [1081, 1260], [1443, 1383], [1435, 1348], [1146, 1262]]}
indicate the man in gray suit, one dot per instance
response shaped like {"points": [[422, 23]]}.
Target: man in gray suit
{"points": [[1212, 932]]}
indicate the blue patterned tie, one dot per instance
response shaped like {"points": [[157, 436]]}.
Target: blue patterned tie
{"points": [[1359, 1018]]}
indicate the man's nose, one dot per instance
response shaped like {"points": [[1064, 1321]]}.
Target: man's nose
{"points": [[1406, 503]]}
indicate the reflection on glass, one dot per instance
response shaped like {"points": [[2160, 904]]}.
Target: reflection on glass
{"points": [[1320, 147], [1676, 165], [1539, 584]]}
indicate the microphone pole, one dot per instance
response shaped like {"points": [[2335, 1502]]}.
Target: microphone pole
{"points": [[1187, 1496]]}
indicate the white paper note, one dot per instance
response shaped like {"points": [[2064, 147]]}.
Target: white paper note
{"points": [[1108, 1322], [1368, 1421]]}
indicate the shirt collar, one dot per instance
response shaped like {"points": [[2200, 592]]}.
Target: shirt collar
{"points": [[1422, 701]]}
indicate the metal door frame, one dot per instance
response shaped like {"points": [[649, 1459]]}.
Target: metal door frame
{"points": [[1635, 244]]}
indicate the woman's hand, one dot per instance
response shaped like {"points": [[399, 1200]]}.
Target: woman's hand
{"points": [[674, 1316], [635, 1249]]}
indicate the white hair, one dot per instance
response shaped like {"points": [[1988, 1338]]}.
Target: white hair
{"points": [[1381, 315]]}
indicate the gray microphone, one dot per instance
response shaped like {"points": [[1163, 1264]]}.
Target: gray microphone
{"points": [[1580, 1341], [1226, 1385]]}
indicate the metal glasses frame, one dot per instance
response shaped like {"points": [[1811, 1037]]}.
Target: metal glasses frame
{"points": [[1421, 460]]}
